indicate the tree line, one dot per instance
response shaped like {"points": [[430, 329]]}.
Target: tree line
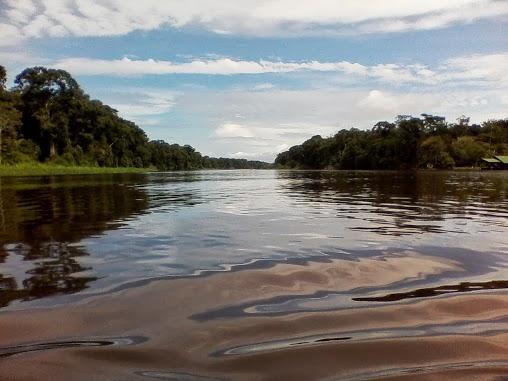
{"points": [[47, 117], [408, 143]]}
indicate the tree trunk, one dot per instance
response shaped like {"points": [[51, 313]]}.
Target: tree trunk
{"points": [[52, 150]]}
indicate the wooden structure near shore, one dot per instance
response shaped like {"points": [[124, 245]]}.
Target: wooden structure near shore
{"points": [[496, 162]]}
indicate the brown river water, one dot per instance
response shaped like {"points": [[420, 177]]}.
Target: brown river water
{"points": [[255, 275]]}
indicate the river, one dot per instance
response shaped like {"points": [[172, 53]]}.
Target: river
{"points": [[254, 275]]}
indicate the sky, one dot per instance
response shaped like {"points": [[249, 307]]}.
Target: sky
{"points": [[250, 78]]}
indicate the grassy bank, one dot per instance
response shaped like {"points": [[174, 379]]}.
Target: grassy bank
{"points": [[45, 169]]}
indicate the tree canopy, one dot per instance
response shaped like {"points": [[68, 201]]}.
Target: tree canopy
{"points": [[410, 142]]}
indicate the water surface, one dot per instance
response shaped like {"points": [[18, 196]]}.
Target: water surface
{"points": [[255, 275]]}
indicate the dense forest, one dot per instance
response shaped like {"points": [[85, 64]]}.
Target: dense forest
{"points": [[47, 117], [424, 142]]}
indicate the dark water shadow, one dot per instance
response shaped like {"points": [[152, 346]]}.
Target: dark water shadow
{"points": [[437, 291], [175, 376]]}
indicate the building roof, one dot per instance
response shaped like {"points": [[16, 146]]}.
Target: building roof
{"points": [[502, 159], [491, 160]]}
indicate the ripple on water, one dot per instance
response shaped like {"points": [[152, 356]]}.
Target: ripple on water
{"points": [[63, 344]]}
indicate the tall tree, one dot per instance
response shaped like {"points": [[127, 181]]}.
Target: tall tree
{"points": [[10, 120], [47, 97], [3, 78]]}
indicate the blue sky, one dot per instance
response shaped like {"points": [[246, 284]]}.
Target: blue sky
{"points": [[250, 78]]}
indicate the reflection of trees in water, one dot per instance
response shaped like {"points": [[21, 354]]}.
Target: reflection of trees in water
{"points": [[171, 191], [46, 219], [414, 201], [50, 275]]}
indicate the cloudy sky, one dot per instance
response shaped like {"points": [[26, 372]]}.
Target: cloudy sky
{"points": [[248, 78]]}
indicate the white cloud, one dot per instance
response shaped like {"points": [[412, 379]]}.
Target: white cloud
{"points": [[145, 106], [231, 130], [246, 155], [380, 101], [472, 69], [127, 66], [218, 66], [54, 18], [267, 155], [451, 13], [9, 35], [17, 58], [16, 61], [477, 68]]}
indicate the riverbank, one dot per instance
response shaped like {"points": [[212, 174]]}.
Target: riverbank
{"points": [[45, 169]]}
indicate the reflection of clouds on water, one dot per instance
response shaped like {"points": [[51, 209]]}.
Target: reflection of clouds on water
{"points": [[364, 279], [90, 234], [403, 203]]}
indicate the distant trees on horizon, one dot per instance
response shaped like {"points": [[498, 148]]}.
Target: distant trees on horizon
{"points": [[408, 143]]}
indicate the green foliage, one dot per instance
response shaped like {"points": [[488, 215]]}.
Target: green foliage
{"points": [[23, 151], [227, 163], [52, 169], [434, 154], [495, 133], [47, 117], [172, 157], [10, 120], [49, 98], [427, 142], [467, 151], [3, 77]]}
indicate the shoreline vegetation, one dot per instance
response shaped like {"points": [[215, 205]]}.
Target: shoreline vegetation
{"points": [[49, 169], [49, 125], [426, 142]]}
